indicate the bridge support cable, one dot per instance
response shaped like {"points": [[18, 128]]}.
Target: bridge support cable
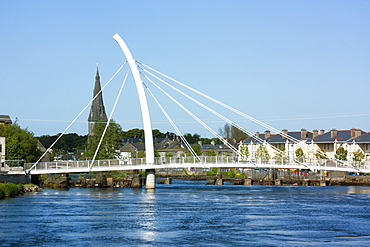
{"points": [[108, 122], [231, 109], [188, 146], [223, 104], [225, 142], [208, 109], [212, 111], [74, 120]]}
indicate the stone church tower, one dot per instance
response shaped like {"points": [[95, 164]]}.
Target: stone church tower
{"points": [[97, 110]]}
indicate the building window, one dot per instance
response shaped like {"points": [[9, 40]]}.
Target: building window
{"points": [[367, 147], [1, 148]]}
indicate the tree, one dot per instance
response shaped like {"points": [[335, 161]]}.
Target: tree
{"points": [[244, 152], [341, 154], [358, 155], [320, 154], [299, 154], [197, 150], [111, 142], [20, 143], [192, 139], [210, 152], [232, 133], [281, 155], [262, 153]]}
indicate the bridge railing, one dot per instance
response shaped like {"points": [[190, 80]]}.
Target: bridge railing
{"points": [[204, 161]]}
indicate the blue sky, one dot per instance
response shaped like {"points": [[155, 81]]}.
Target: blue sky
{"points": [[292, 64]]}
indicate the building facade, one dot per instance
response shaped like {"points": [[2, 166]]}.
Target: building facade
{"points": [[313, 145]]}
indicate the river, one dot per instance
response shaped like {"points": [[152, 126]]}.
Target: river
{"points": [[189, 213]]}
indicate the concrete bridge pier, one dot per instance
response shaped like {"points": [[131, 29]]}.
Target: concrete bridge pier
{"points": [[150, 179]]}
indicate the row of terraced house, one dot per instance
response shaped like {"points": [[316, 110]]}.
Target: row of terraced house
{"points": [[311, 143]]}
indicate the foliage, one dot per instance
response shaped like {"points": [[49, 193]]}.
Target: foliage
{"points": [[213, 172], [9, 189], [20, 143], [168, 154], [197, 150], [210, 153], [262, 153], [244, 151], [111, 142], [232, 133], [341, 154], [232, 173], [156, 153], [192, 139], [320, 154], [358, 155], [139, 133], [140, 154], [299, 154], [67, 143]]}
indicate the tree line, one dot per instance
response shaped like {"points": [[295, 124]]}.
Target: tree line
{"points": [[21, 144]]}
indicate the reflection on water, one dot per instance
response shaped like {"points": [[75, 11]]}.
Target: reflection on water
{"points": [[188, 213]]}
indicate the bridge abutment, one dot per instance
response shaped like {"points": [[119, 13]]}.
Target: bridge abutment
{"points": [[150, 179]]}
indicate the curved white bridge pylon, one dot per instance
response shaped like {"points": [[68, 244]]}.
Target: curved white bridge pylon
{"points": [[149, 146]]}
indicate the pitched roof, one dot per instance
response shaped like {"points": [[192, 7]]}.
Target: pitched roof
{"points": [[341, 136], [278, 138], [365, 138]]}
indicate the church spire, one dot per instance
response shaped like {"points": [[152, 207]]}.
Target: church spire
{"points": [[97, 110]]}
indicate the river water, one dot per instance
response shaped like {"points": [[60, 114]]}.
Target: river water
{"points": [[189, 213]]}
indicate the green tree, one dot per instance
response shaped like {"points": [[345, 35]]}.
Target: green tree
{"points": [[232, 133], [197, 150], [140, 154], [299, 154], [320, 154], [19, 143], [281, 155], [111, 142], [341, 154], [358, 155], [210, 152], [192, 139], [262, 153], [244, 151]]}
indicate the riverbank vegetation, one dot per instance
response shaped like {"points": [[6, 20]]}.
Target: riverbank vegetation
{"points": [[10, 189]]}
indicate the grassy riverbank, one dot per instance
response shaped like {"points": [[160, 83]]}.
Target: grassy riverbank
{"points": [[10, 189]]}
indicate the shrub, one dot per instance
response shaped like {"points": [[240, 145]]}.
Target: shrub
{"points": [[9, 189], [20, 188]]}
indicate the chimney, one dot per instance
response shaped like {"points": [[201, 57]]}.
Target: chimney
{"points": [[333, 133], [258, 134], [315, 133], [357, 132], [267, 134], [353, 132], [322, 131], [285, 133], [303, 133]]}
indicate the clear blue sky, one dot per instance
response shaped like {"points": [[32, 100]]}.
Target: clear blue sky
{"points": [[292, 64]]}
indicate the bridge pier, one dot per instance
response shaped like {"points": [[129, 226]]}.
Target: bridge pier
{"points": [[150, 179]]}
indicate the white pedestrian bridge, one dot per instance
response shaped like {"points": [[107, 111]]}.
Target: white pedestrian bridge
{"points": [[189, 162]]}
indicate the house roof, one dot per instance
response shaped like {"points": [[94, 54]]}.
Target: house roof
{"points": [[365, 138], [341, 136], [278, 138], [5, 119]]}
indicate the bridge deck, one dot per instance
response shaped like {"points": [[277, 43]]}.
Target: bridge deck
{"points": [[206, 162]]}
